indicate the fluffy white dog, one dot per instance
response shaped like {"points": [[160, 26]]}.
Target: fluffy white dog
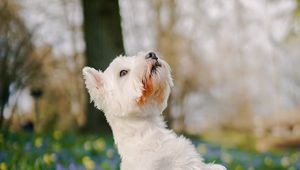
{"points": [[133, 92]]}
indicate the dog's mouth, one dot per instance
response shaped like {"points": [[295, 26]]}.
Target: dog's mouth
{"points": [[154, 67]]}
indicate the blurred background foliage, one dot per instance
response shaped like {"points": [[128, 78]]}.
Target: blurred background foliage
{"points": [[235, 65]]}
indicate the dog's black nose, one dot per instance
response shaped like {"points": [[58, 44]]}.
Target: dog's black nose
{"points": [[151, 55]]}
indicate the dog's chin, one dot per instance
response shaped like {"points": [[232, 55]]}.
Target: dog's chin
{"points": [[152, 82], [155, 68]]}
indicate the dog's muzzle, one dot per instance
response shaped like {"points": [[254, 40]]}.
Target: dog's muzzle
{"points": [[155, 64]]}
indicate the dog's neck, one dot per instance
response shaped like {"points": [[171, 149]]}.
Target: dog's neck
{"points": [[126, 129]]}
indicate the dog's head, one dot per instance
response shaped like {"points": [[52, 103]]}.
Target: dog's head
{"points": [[137, 85]]}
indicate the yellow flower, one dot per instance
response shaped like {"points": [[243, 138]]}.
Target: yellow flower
{"points": [[48, 158], [38, 142], [56, 147], [268, 161], [294, 157], [57, 134], [201, 148], [88, 163], [238, 167], [110, 153], [105, 165], [285, 162], [3, 166], [99, 144]]}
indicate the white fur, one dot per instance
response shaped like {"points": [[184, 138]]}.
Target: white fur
{"points": [[141, 136]]}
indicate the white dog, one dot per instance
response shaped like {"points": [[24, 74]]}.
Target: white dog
{"points": [[133, 92]]}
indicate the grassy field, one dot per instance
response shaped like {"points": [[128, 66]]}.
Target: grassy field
{"points": [[58, 150]]}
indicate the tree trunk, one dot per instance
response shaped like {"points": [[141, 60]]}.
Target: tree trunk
{"points": [[4, 99], [103, 37], [4, 86]]}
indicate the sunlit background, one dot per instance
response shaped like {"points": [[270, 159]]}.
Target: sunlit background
{"points": [[235, 64]]}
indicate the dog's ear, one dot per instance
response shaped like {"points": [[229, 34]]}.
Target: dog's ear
{"points": [[94, 82], [92, 77]]}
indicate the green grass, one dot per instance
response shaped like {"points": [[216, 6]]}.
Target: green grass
{"points": [[58, 150]]}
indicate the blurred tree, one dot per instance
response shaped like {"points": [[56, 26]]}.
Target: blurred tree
{"points": [[17, 65], [103, 37], [297, 9]]}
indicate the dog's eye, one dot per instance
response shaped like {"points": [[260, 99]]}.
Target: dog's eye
{"points": [[123, 73]]}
